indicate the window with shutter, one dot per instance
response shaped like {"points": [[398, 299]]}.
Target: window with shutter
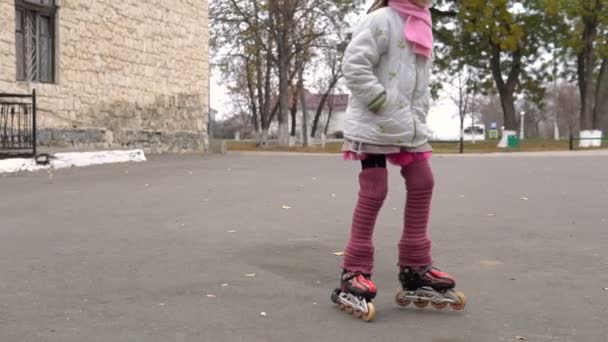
{"points": [[35, 40]]}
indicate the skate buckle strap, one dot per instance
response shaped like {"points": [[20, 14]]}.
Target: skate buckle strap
{"points": [[426, 269], [438, 273], [351, 275]]}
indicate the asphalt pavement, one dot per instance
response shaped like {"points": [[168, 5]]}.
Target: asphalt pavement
{"points": [[191, 248]]}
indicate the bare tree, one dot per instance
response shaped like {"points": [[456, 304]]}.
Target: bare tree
{"points": [[243, 51], [264, 38], [282, 18], [463, 96], [332, 62], [567, 108]]}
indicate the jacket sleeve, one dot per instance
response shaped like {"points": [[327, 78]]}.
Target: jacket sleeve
{"points": [[369, 43]]}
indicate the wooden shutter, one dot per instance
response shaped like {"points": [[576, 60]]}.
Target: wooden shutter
{"points": [[19, 44], [45, 49], [31, 38]]}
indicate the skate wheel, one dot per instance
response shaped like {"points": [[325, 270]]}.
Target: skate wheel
{"points": [[439, 306], [358, 313], [421, 304], [402, 301], [341, 306], [462, 301], [335, 295], [349, 309], [371, 313]]}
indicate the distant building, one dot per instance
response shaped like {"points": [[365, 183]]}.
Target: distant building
{"points": [[336, 104], [110, 73]]}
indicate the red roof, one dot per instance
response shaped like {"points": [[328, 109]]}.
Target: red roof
{"points": [[338, 101]]}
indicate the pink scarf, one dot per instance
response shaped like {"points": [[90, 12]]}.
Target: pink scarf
{"points": [[418, 27]]}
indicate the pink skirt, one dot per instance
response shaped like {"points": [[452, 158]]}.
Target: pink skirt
{"points": [[403, 158]]}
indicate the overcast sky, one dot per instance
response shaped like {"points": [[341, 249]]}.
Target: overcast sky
{"points": [[443, 118]]}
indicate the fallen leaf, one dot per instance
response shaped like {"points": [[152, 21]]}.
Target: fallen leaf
{"points": [[211, 296], [232, 231], [251, 275], [339, 254], [525, 199], [263, 314], [317, 282], [224, 285], [162, 304], [286, 207], [491, 263], [314, 303], [521, 338], [491, 215]]}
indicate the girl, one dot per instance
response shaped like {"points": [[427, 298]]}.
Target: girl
{"points": [[387, 68]]}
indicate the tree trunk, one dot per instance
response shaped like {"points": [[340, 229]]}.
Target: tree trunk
{"points": [[506, 90], [283, 106], [322, 104], [586, 65], [252, 97], [600, 114], [294, 109], [282, 25], [259, 75], [304, 109], [461, 134], [508, 107], [329, 114], [266, 116], [264, 138]]}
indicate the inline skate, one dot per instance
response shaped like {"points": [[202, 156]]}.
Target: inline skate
{"points": [[429, 285], [355, 295]]}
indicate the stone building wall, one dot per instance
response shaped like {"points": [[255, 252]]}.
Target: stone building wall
{"points": [[129, 73]]}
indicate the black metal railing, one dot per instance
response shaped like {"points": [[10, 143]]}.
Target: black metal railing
{"points": [[573, 140], [17, 125]]}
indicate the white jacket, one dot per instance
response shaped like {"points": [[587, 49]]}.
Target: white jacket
{"points": [[390, 84]]}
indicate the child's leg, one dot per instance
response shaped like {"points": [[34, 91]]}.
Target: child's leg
{"points": [[373, 182], [415, 244]]}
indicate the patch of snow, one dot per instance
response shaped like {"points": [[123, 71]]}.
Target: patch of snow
{"points": [[19, 164], [75, 159]]}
